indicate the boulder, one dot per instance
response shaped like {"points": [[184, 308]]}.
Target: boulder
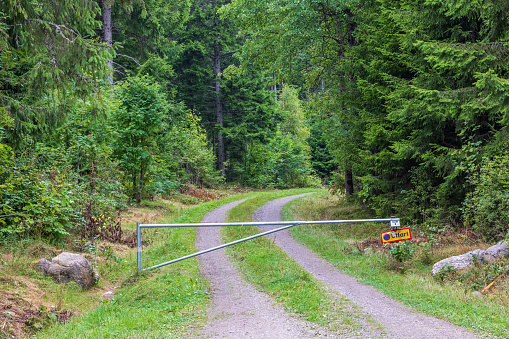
{"points": [[460, 261], [67, 267], [496, 251], [477, 294], [108, 295]]}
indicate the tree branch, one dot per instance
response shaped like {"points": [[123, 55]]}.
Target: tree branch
{"points": [[129, 57]]}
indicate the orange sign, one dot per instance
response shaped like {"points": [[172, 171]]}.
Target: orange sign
{"points": [[396, 235]]}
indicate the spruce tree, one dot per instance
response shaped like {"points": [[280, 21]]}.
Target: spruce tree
{"points": [[49, 59], [234, 109]]}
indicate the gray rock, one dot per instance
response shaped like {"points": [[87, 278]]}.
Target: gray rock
{"points": [[108, 295], [477, 294], [459, 261], [496, 251], [67, 267]]}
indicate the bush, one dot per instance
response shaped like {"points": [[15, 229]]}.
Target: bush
{"points": [[486, 209], [38, 201], [282, 163], [43, 193], [402, 251]]}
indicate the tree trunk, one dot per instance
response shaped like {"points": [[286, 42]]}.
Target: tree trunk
{"points": [[142, 186], [135, 186], [107, 32], [349, 182], [219, 109], [350, 39]]}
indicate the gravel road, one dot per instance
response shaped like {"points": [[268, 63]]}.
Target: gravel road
{"points": [[237, 310], [398, 320]]}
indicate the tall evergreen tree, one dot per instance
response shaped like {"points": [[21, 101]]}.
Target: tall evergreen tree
{"points": [[49, 59], [147, 32], [227, 105]]}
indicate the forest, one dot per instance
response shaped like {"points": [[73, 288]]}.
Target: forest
{"points": [[402, 106]]}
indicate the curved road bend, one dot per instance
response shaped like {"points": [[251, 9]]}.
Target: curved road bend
{"points": [[398, 320], [237, 310]]}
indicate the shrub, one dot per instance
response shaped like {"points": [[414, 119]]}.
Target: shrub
{"points": [[38, 201], [402, 251], [486, 209]]}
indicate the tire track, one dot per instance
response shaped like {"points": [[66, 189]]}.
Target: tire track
{"points": [[237, 309], [398, 320]]}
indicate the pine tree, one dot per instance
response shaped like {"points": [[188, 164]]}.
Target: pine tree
{"points": [[147, 31]]}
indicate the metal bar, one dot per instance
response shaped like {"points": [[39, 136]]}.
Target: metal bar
{"points": [[288, 224], [271, 223], [219, 247], [138, 245]]}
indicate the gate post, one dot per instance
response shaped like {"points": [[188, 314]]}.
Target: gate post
{"points": [[138, 245]]}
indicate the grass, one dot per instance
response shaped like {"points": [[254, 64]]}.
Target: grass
{"points": [[416, 287], [163, 303], [153, 304], [26, 293], [271, 270]]}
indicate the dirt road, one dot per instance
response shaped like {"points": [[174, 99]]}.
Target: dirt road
{"points": [[237, 309], [398, 320]]}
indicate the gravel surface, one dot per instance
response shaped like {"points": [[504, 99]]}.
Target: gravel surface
{"points": [[237, 309], [398, 320]]}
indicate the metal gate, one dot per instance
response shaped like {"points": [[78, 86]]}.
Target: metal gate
{"points": [[394, 223]]}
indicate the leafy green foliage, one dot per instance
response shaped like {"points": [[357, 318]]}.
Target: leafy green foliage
{"points": [[487, 207], [186, 152], [49, 60], [146, 31], [321, 159], [138, 121], [40, 201], [282, 163], [283, 160], [402, 251]]}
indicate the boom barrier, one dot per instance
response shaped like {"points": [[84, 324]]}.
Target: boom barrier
{"points": [[394, 223]]}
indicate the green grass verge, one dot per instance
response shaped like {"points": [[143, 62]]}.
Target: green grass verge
{"points": [[415, 288], [154, 304], [271, 270]]}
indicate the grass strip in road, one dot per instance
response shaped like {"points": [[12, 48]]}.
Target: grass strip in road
{"points": [[270, 269], [415, 288], [153, 304]]}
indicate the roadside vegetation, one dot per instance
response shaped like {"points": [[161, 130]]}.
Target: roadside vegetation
{"points": [[403, 270]]}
